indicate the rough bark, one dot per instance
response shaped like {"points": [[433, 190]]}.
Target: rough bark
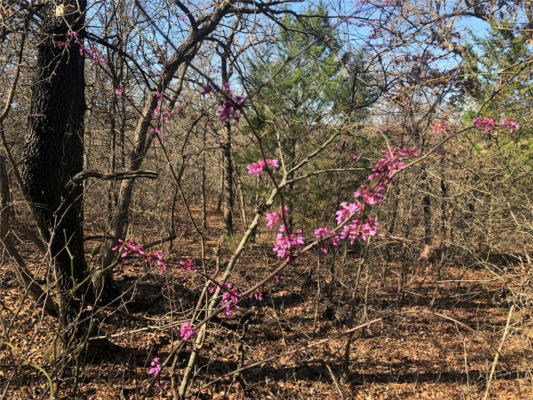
{"points": [[53, 150]]}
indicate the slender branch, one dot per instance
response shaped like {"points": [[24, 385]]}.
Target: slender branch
{"points": [[120, 175]]}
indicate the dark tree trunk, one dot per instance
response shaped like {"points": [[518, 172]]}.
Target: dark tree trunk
{"points": [[53, 150]]}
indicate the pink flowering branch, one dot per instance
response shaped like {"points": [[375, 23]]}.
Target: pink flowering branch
{"points": [[91, 52], [129, 247], [257, 167], [351, 215], [510, 124], [155, 370], [231, 295], [383, 173], [231, 106], [187, 331], [488, 124]]}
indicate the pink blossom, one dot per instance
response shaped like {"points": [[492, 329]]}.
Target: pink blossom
{"points": [[155, 367], [272, 219], [72, 34], [286, 245], [511, 125], [485, 123], [91, 52], [187, 266], [120, 89], [257, 167], [370, 195], [439, 127], [382, 175], [118, 246], [357, 228], [273, 162], [130, 247], [157, 256], [206, 89], [230, 298], [187, 331], [347, 210], [231, 106], [258, 294], [323, 232]]}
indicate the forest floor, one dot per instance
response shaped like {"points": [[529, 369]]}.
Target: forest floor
{"points": [[437, 338]]}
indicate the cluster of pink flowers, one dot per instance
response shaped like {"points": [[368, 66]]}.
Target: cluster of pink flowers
{"points": [[274, 218], [323, 233], [230, 298], [257, 167], [155, 369], [510, 124], [206, 89], [187, 331], [130, 247], [484, 123], [363, 226], [155, 366], [157, 256], [258, 294], [287, 245], [231, 106], [487, 124], [187, 266], [164, 116], [93, 53], [370, 195], [440, 127], [157, 110], [347, 210], [120, 88]]}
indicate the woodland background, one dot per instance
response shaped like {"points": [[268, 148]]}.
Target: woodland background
{"points": [[142, 120]]}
